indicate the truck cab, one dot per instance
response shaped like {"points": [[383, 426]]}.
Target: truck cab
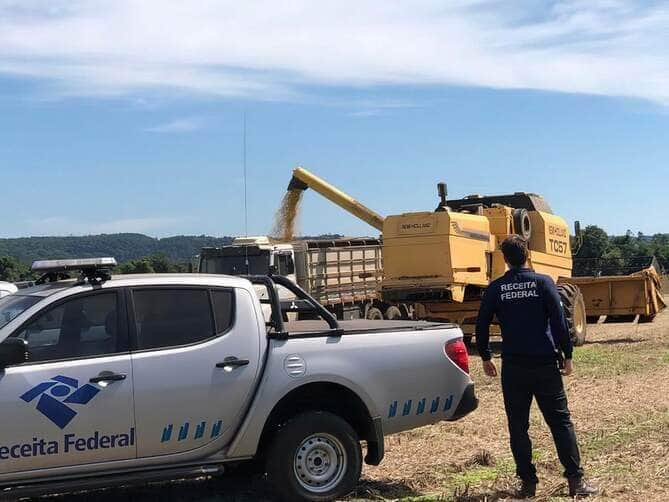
{"points": [[257, 255], [252, 256], [343, 274]]}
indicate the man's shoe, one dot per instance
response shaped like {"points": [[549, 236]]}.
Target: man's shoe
{"points": [[527, 490], [579, 488]]}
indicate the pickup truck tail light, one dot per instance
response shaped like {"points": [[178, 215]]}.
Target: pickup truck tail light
{"points": [[457, 352]]}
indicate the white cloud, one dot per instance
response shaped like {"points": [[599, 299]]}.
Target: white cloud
{"points": [[375, 108], [266, 49], [178, 126]]}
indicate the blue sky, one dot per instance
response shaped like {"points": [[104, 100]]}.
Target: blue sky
{"points": [[127, 116]]}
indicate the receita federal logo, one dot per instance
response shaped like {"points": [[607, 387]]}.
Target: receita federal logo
{"points": [[57, 394]]}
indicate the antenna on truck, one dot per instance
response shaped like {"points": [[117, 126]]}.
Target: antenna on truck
{"points": [[246, 207]]}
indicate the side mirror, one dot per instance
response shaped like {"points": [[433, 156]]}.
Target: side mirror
{"points": [[13, 351]]}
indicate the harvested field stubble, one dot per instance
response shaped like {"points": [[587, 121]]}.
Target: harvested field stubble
{"points": [[619, 399]]}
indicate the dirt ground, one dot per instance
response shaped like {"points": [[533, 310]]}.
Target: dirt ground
{"points": [[619, 398]]}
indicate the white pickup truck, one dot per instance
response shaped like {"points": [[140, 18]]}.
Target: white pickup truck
{"points": [[113, 380]]}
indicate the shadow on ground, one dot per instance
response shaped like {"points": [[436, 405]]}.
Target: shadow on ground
{"points": [[233, 486], [486, 497], [228, 487], [615, 341], [383, 489]]}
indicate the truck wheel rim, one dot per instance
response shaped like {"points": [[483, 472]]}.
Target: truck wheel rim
{"points": [[320, 463]]}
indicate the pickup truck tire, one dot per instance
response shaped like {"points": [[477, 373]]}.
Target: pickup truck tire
{"points": [[315, 456]]}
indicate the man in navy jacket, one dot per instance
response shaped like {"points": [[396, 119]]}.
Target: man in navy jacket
{"points": [[535, 342]]}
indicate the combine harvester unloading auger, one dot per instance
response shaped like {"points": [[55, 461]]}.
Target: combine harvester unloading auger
{"points": [[441, 261]]}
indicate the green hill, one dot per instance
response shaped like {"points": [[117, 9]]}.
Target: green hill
{"points": [[123, 247]]}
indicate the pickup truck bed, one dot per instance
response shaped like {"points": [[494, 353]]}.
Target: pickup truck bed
{"points": [[362, 326]]}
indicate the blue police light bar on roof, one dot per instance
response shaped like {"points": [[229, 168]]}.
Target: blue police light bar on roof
{"points": [[54, 266]]}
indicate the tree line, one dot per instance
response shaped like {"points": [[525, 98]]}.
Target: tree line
{"points": [[597, 253], [123, 247], [14, 270], [601, 254]]}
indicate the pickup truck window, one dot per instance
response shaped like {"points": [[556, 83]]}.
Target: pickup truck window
{"points": [[169, 317], [223, 309], [13, 306], [85, 326]]}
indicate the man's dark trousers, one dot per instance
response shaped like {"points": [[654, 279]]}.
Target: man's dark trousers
{"points": [[522, 380]]}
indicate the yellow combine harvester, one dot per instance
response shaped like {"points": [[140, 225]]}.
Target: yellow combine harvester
{"points": [[441, 261]]}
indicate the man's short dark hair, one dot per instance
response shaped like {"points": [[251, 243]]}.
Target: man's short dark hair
{"points": [[515, 250]]}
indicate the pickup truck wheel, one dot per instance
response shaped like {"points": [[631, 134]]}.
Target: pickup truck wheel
{"points": [[316, 456]]}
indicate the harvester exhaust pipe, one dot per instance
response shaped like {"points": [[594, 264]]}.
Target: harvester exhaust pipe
{"points": [[443, 195], [303, 179]]}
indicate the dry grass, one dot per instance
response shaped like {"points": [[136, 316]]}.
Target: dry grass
{"points": [[619, 398]]}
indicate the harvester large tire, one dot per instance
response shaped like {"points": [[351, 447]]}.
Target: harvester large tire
{"points": [[574, 312]]}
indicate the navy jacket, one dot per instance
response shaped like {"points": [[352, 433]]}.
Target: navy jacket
{"points": [[528, 308]]}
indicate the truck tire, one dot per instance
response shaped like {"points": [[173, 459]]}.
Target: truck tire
{"points": [[374, 314], [574, 312], [522, 224], [393, 313], [315, 456]]}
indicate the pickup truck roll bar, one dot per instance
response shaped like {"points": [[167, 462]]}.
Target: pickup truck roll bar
{"points": [[303, 299]]}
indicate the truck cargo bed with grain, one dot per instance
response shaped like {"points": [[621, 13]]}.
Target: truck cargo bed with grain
{"points": [[344, 275]]}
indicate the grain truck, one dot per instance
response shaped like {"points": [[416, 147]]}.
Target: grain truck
{"points": [[344, 275]]}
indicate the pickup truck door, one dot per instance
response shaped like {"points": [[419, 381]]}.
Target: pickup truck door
{"points": [[71, 402], [195, 365]]}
